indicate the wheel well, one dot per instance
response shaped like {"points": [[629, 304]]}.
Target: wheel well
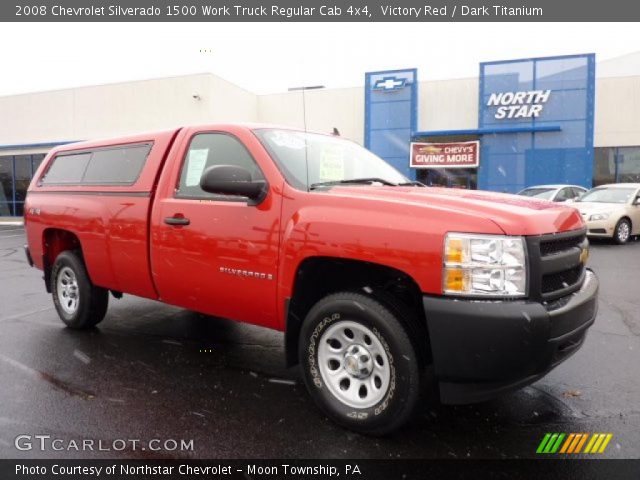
{"points": [[54, 242], [318, 277]]}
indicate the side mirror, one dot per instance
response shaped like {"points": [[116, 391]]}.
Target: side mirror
{"points": [[233, 180], [637, 201]]}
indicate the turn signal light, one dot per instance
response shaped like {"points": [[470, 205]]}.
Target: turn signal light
{"points": [[456, 280], [454, 251]]}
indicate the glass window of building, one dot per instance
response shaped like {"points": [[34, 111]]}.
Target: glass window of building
{"points": [[22, 177], [604, 166], [629, 164], [616, 165], [36, 160], [6, 186], [16, 172]]}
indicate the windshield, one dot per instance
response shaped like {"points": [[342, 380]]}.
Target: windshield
{"points": [[544, 193], [330, 159], [608, 195]]}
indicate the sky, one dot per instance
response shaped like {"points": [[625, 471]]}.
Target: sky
{"points": [[272, 57]]}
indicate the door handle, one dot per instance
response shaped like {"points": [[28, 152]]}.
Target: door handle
{"points": [[177, 221]]}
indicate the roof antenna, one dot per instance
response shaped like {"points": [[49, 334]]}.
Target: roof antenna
{"points": [[304, 121]]}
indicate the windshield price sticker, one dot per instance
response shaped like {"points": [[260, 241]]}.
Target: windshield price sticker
{"points": [[332, 164], [195, 165]]}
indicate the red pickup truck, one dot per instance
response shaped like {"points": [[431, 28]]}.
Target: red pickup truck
{"points": [[374, 279]]}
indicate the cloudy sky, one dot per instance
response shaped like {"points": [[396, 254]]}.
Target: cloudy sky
{"points": [[271, 57]]}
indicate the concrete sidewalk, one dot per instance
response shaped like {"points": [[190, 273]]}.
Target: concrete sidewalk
{"points": [[11, 221]]}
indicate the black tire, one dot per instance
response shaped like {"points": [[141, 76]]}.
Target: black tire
{"points": [[91, 302], [619, 235], [398, 400]]}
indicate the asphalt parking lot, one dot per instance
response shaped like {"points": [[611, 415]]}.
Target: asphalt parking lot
{"points": [[151, 371]]}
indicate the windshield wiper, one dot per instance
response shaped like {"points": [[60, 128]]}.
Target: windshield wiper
{"points": [[353, 181]]}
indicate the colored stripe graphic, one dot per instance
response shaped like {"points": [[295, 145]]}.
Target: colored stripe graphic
{"points": [[567, 443], [573, 443], [550, 443], [582, 442], [577, 439], [556, 446], [592, 440], [606, 442], [543, 443]]}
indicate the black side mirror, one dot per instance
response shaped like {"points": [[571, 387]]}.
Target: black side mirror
{"points": [[637, 201], [233, 180]]}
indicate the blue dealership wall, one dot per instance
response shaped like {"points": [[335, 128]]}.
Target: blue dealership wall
{"points": [[391, 103], [512, 161]]}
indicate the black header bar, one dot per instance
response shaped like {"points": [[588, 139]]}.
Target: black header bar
{"points": [[319, 11], [351, 469]]}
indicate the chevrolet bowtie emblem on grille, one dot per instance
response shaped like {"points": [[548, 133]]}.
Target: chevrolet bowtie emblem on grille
{"points": [[584, 256], [390, 83]]}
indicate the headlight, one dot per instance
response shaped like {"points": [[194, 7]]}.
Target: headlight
{"points": [[484, 265], [599, 216]]}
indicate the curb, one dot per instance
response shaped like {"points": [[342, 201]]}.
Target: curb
{"points": [[11, 222]]}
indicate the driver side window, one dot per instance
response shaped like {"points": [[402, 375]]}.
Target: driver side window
{"points": [[206, 150]]}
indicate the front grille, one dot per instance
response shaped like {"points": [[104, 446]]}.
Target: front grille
{"points": [[549, 247], [561, 280], [556, 268]]}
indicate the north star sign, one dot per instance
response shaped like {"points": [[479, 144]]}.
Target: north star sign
{"points": [[528, 104]]}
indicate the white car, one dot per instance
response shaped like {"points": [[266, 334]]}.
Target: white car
{"points": [[612, 211], [554, 193]]}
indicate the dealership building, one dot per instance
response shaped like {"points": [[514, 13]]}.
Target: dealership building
{"points": [[522, 122]]}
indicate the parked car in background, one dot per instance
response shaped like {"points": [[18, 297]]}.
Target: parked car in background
{"points": [[612, 211], [554, 193]]}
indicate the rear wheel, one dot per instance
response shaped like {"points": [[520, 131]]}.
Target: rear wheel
{"points": [[359, 363], [622, 232], [79, 303]]}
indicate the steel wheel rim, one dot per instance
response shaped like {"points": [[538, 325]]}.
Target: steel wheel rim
{"points": [[68, 291], [623, 231], [353, 364]]}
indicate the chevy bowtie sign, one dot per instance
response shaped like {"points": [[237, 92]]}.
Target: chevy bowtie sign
{"points": [[528, 104], [445, 155], [389, 84]]}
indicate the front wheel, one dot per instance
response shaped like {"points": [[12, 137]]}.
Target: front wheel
{"points": [[359, 364], [79, 303], [622, 231]]}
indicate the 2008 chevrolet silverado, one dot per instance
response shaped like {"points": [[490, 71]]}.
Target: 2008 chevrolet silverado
{"points": [[373, 278]]}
